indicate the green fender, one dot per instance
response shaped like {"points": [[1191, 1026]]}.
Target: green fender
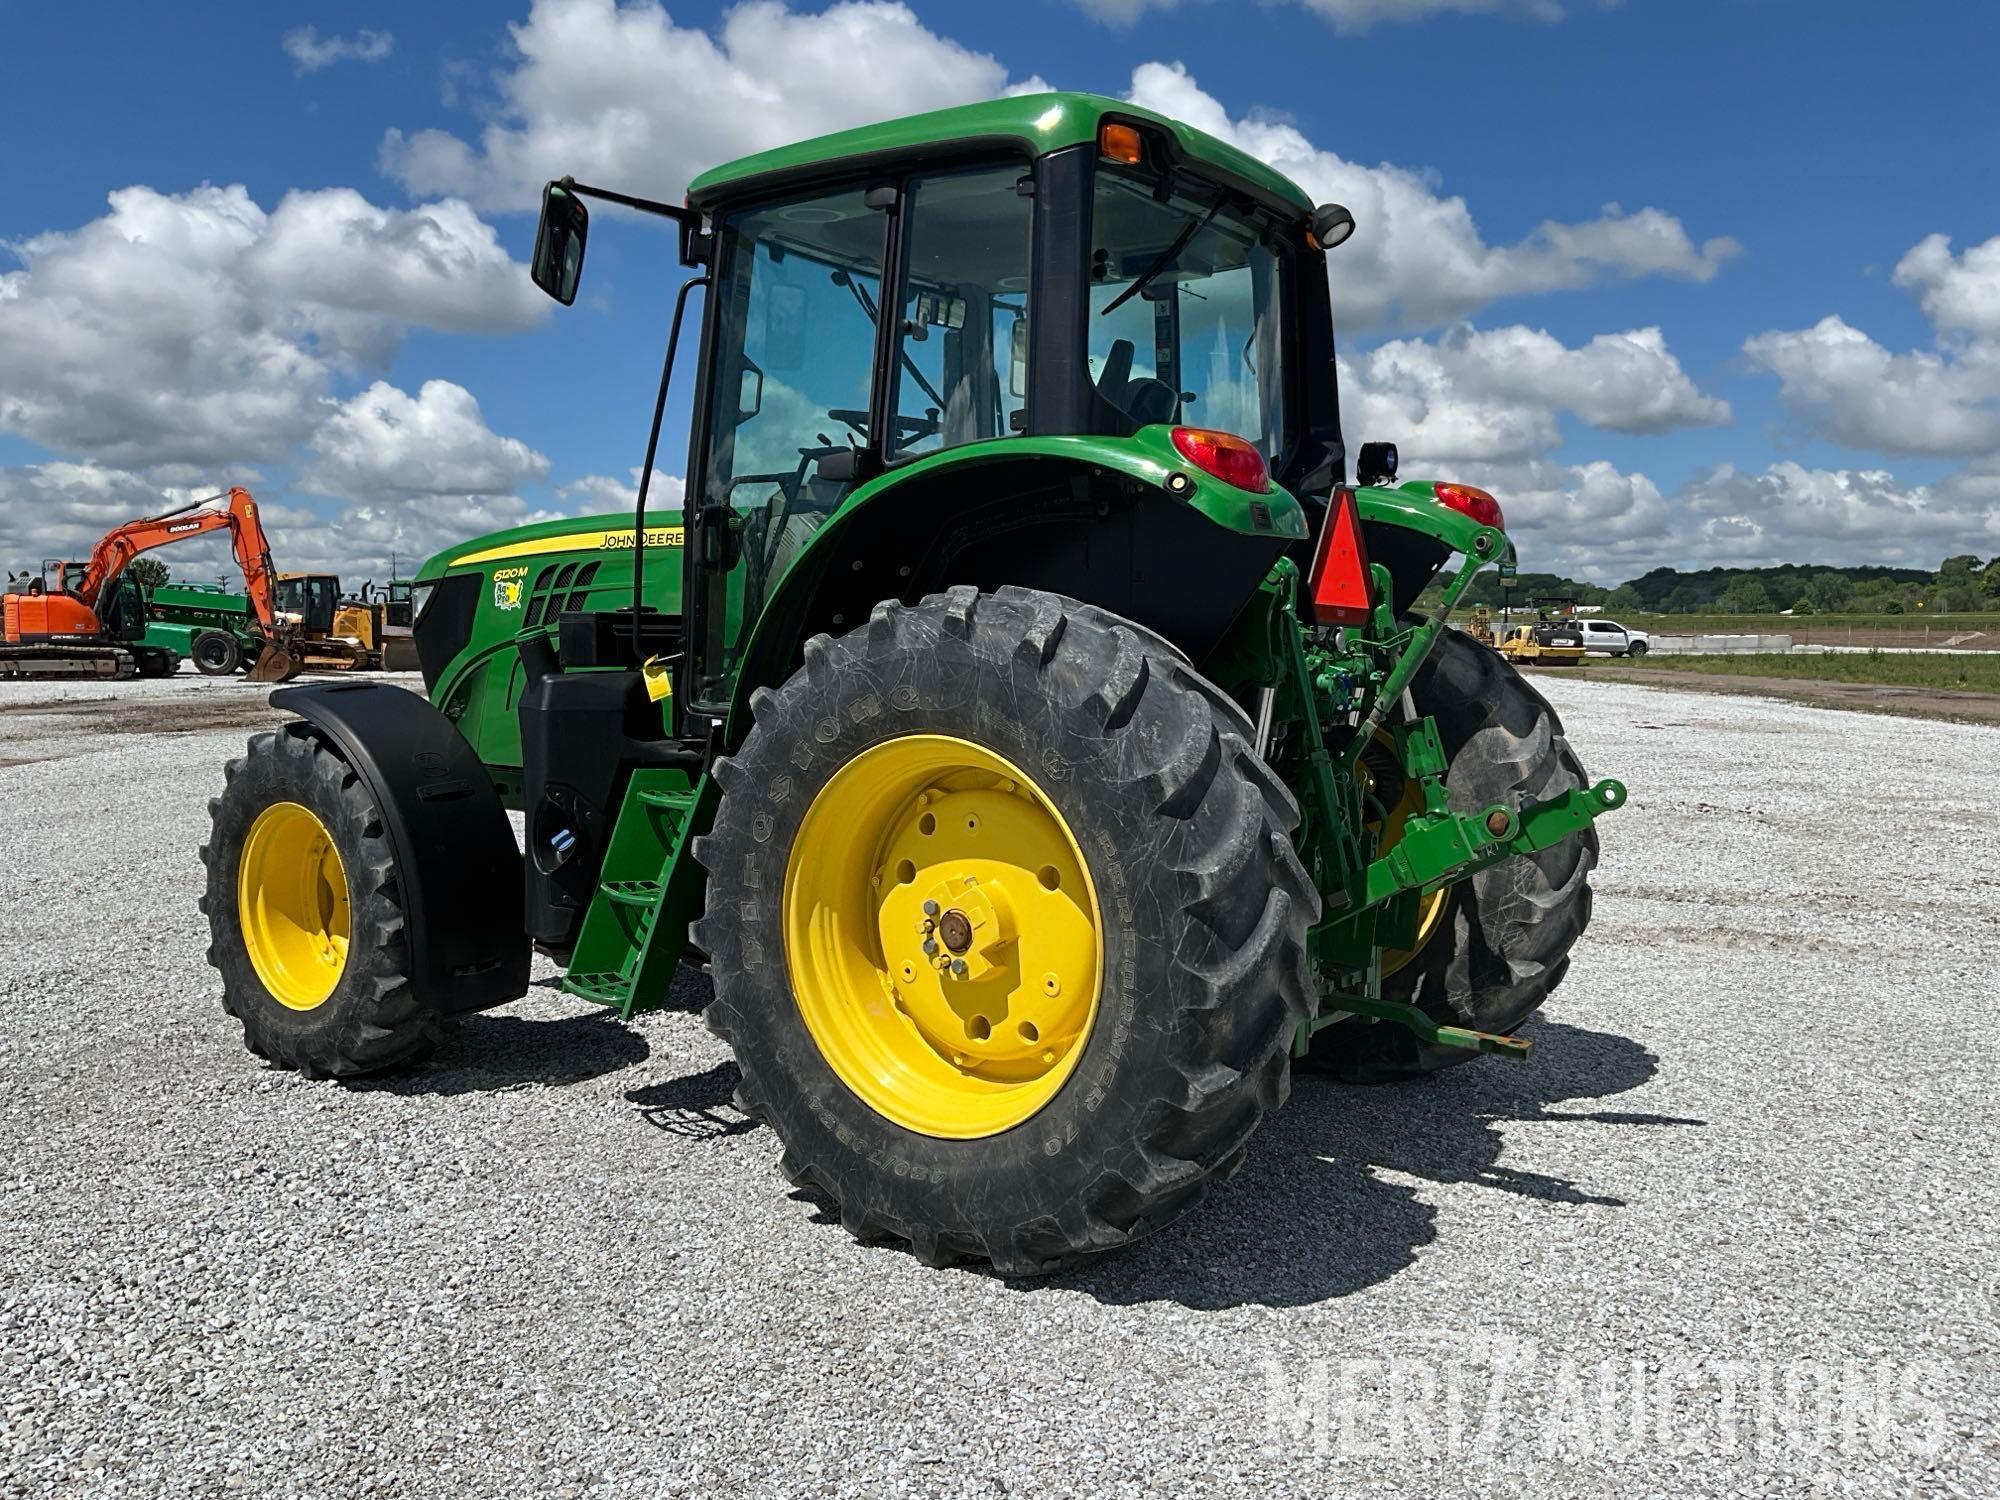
{"points": [[1414, 507], [1149, 457]]}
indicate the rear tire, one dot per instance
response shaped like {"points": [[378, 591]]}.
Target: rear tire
{"points": [[1502, 945], [1203, 910], [216, 653], [371, 1018]]}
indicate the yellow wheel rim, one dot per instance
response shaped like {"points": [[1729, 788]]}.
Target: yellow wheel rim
{"points": [[943, 937], [1430, 905], [291, 899]]}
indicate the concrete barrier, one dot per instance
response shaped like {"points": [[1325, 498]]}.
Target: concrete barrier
{"points": [[1720, 645]]}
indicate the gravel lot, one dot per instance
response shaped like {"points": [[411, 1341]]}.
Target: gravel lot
{"points": [[1749, 1173]]}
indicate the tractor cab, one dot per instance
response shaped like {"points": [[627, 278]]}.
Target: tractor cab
{"points": [[398, 607], [312, 597], [891, 309]]}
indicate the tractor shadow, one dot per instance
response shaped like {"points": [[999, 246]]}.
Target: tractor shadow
{"points": [[493, 1053], [1308, 1218]]}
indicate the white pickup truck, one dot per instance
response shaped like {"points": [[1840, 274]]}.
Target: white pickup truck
{"points": [[1609, 637]]}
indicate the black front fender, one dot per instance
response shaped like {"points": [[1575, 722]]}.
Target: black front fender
{"points": [[457, 866]]}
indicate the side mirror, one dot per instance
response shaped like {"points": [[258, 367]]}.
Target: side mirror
{"points": [[559, 239], [1376, 465]]}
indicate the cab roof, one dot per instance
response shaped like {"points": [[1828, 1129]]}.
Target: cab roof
{"points": [[1039, 123]]}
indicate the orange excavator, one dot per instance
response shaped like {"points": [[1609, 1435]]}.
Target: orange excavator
{"points": [[87, 619]]}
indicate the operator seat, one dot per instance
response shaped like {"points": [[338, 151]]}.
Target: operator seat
{"points": [[1145, 400]]}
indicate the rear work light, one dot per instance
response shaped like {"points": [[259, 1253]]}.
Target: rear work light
{"points": [[1231, 459], [1338, 586], [1475, 503]]}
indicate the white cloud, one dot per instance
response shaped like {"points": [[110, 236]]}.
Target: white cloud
{"points": [[1356, 15], [1792, 513], [1594, 522], [311, 51], [363, 540], [1851, 390], [59, 509], [1417, 258], [1495, 395], [196, 328], [385, 445], [1943, 402], [1958, 294], [623, 96], [438, 265], [595, 493], [1627, 382]]}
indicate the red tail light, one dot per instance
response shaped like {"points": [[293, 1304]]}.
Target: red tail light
{"points": [[1231, 459], [1468, 501], [1338, 586]]}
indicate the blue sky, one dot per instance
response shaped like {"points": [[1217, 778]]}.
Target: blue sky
{"points": [[366, 359]]}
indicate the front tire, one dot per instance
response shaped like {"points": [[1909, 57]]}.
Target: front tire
{"points": [[1637, 648], [1037, 723], [1501, 944], [305, 922]]}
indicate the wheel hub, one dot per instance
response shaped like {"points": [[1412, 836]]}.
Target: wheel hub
{"points": [[951, 981], [292, 904]]}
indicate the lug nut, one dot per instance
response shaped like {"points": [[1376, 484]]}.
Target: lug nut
{"points": [[930, 948], [958, 968], [930, 908]]}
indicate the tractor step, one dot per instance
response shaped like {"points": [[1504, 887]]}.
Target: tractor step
{"points": [[604, 989], [633, 934], [643, 894]]}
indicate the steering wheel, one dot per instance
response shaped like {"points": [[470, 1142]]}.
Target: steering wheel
{"points": [[906, 427]]}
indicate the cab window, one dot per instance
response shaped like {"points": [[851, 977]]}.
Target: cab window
{"points": [[798, 293], [1186, 315], [963, 338]]}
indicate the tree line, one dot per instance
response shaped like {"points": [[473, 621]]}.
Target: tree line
{"points": [[1959, 585]]}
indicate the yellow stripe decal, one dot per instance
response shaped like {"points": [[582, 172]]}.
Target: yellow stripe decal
{"points": [[576, 541]]}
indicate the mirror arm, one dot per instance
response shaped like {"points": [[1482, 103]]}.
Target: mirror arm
{"points": [[687, 218], [694, 244]]}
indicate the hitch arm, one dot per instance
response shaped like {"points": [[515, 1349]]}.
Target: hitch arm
{"points": [[1437, 850]]}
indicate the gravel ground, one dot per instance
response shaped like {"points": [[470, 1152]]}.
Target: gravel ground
{"points": [[1743, 1194]]}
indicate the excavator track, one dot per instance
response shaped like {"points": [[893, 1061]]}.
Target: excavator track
{"points": [[100, 662]]}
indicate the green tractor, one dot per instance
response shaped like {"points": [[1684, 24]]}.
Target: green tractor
{"points": [[1025, 723]]}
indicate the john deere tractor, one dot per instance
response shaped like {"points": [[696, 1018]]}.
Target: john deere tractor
{"points": [[1025, 722]]}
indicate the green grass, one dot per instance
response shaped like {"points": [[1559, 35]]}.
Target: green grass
{"points": [[1961, 671]]}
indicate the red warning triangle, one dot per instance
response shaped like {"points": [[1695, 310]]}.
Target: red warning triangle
{"points": [[1339, 586]]}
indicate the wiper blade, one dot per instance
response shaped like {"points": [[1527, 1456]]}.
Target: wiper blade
{"points": [[1166, 258]]}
